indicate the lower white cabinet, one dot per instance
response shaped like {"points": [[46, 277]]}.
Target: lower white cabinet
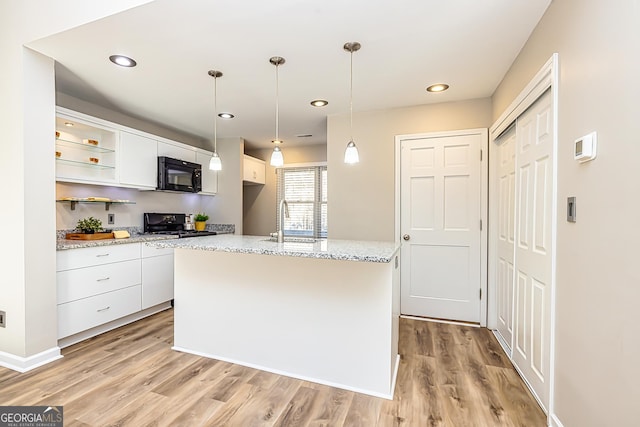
{"points": [[87, 313], [157, 275], [86, 282], [98, 285]]}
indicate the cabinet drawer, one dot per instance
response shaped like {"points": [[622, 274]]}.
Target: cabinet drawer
{"points": [[149, 251], [87, 257], [78, 316], [86, 282]]}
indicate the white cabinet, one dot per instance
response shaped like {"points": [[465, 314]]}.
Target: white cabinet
{"points": [[157, 275], [209, 177], [94, 151], [81, 315], [177, 151], [253, 170], [97, 285], [138, 161], [85, 150]]}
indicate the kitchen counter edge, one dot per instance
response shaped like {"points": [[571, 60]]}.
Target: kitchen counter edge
{"points": [[334, 249]]}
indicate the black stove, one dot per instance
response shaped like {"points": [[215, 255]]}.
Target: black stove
{"points": [[184, 233], [170, 224]]}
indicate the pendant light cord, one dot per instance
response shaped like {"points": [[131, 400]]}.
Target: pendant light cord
{"points": [[215, 114], [277, 102], [351, 96]]}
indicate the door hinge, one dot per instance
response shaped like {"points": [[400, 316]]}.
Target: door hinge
{"points": [[480, 293], [480, 225]]}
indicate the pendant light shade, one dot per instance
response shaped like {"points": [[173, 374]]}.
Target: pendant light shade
{"points": [[215, 164], [351, 152], [276, 156]]}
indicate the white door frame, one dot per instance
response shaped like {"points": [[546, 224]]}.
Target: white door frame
{"points": [[484, 200], [546, 78]]}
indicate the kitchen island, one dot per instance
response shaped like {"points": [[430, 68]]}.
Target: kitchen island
{"points": [[324, 311]]}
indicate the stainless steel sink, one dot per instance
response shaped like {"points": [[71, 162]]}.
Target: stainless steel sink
{"points": [[293, 239]]}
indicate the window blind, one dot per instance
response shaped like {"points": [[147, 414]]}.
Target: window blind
{"points": [[305, 190]]}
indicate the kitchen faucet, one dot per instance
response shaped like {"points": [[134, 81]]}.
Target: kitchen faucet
{"points": [[283, 203]]}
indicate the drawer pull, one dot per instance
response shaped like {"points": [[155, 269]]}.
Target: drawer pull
{"points": [[103, 309], [101, 255], [103, 279]]}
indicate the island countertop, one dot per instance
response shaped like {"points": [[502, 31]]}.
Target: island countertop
{"points": [[345, 250]]}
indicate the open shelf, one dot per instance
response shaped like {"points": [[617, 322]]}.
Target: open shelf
{"points": [[106, 203], [82, 146], [83, 164]]}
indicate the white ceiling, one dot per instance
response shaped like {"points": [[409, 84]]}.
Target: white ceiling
{"points": [[406, 46]]}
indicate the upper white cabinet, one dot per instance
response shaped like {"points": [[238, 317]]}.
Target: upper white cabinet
{"points": [[209, 177], [253, 170], [85, 151], [177, 151], [138, 161], [90, 150]]}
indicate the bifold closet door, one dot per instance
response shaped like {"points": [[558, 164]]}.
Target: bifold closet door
{"points": [[506, 172], [533, 244]]}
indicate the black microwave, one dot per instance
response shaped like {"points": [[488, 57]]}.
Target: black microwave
{"points": [[179, 175]]}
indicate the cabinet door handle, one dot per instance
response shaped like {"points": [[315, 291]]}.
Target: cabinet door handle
{"points": [[103, 309], [101, 255], [103, 279]]}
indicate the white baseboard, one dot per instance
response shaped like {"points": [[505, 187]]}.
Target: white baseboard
{"points": [[24, 364], [388, 396], [554, 421]]}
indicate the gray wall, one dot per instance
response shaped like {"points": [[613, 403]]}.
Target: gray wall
{"points": [[361, 196], [597, 330]]}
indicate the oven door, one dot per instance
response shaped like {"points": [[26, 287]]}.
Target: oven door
{"points": [[179, 175]]}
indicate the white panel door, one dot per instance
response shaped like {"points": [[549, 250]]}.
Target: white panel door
{"points": [[506, 173], [533, 255], [440, 205]]}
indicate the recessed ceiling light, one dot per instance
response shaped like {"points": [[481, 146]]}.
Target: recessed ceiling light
{"points": [[440, 87], [226, 116], [68, 124], [276, 141], [123, 61], [319, 102]]}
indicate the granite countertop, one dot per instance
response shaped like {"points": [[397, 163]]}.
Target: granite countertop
{"points": [[137, 236], [62, 244], [346, 250]]}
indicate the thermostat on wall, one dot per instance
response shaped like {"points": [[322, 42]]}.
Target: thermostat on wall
{"points": [[584, 148]]}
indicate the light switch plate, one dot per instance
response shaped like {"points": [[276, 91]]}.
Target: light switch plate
{"points": [[571, 209]]}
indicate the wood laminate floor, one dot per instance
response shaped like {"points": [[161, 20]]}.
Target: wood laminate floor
{"points": [[449, 375]]}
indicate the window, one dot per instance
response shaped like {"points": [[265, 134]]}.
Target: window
{"points": [[305, 190]]}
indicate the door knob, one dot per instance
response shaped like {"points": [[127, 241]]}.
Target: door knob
{"points": [[406, 237]]}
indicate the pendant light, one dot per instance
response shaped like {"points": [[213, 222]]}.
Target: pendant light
{"points": [[351, 152], [215, 164], [276, 157]]}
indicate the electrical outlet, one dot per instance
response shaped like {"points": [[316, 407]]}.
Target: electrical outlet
{"points": [[3, 319], [111, 218]]}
